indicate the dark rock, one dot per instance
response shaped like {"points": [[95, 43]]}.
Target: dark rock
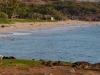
{"points": [[2, 26], [41, 60], [5, 57], [84, 65], [33, 59], [96, 66], [44, 62], [49, 63], [11, 57], [58, 63]]}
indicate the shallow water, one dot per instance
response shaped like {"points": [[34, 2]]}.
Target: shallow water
{"points": [[71, 43]]}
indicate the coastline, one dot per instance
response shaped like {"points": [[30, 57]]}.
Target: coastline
{"points": [[42, 67], [28, 67], [38, 25]]}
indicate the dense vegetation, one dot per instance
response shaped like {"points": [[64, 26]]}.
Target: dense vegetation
{"points": [[60, 10]]}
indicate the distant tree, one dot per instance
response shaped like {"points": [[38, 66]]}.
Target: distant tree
{"points": [[24, 10], [10, 7], [47, 17], [4, 5], [3, 15], [35, 16]]}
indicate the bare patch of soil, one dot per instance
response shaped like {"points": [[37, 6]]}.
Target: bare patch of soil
{"points": [[45, 70]]}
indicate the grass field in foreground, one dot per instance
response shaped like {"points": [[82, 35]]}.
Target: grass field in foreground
{"points": [[14, 62], [19, 62]]}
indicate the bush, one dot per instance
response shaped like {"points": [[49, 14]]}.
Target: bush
{"points": [[3, 15], [60, 16], [35, 16], [47, 17]]}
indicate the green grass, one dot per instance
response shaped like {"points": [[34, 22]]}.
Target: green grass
{"points": [[18, 62], [31, 20], [68, 64], [22, 21], [6, 22]]}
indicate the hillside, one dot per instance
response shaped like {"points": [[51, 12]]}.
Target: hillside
{"points": [[36, 2], [45, 9]]}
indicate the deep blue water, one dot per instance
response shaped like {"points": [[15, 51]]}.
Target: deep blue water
{"points": [[71, 43]]}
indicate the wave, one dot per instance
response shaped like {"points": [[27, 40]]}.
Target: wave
{"points": [[3, 36], [43, 30], [55, 29], [20, 33]]}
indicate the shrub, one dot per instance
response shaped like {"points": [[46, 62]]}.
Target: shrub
{"points": [[35, 16], [3, 15]]}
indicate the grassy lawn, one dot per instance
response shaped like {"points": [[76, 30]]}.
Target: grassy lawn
{"points": [[7, 22], [18, 62], [31, 20], [22, 20]]}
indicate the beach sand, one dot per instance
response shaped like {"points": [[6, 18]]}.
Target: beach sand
{"points": [[38, 25]]}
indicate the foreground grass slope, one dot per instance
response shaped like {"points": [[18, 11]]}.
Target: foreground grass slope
{"points": [[14, 62], [33, 67]]}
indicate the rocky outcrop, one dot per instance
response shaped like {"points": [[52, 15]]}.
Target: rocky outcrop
{"points": [[50, 63], [86, 65], [10, 57]]}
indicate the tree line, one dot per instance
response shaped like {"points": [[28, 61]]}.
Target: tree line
{"points": [[60, 10]]}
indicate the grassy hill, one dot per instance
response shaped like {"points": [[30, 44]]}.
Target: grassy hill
{"points": [[45, 9]]}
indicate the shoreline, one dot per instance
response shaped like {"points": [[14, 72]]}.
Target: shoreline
{"points": [[37, 25], [42, 67], [49, 63]]}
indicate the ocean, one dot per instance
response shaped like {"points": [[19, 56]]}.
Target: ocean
{"points": [[63, 43]]}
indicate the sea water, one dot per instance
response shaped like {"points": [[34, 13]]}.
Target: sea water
{"points": [[64, 43]]}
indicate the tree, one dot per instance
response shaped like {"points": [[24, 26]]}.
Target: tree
{"points": [[3, 15], [13, 7], [24, 10], [35, 16], [10, 7]]}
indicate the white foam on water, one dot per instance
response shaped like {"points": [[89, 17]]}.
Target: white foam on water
{"points": [[20, 33], [2, 35], [56, 29]]}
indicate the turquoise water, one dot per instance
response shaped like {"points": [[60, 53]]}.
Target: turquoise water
{"points": [[70, 43]]}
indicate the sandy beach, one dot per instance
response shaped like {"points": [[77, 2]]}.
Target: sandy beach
{"points": [[38, 25]]}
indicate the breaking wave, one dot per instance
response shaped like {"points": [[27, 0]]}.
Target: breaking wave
{"points": [[20, 33]]}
